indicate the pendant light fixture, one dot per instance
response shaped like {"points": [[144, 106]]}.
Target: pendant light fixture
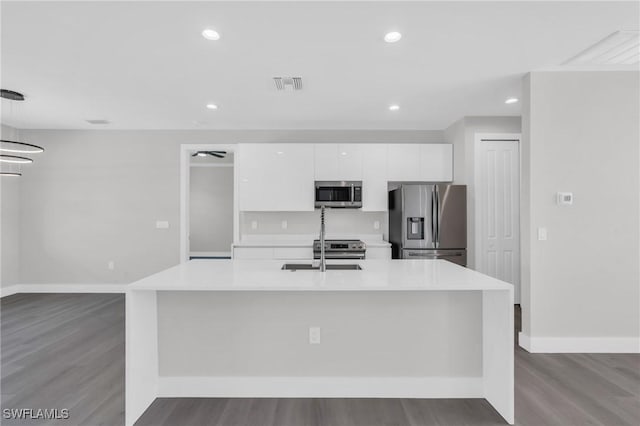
{"points": [[11, 152]]}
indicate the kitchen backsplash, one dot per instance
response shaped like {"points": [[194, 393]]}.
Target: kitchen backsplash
{"points": [[337, 221]]}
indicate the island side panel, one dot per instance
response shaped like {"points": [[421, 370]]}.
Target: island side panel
{"points": [[141, 353], [382, 344], [498, 350]]}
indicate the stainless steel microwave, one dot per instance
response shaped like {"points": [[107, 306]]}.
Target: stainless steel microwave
{"points": [[339, 193]]}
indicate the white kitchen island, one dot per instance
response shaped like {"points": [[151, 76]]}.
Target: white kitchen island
{"points": [[395, 329]]}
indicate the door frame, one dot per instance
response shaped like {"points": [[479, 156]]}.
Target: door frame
{"points": [[479, 224], [185, 180]]}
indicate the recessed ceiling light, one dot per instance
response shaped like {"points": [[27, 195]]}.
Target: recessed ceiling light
{"points": [[394, 107], [511, 101], [280, 152], [392, 37], [343, 153], [212, 106], [210, 34]]}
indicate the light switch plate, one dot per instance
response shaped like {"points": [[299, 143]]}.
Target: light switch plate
{"points": [[565, 198], [162, 224], [284, 224], [314, 335], [376, 224], [254, 224], [542, 234]]}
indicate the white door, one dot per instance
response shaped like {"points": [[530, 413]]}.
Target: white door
{"points": [[498, 209]]}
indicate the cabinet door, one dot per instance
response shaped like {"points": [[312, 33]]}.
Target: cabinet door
{"points": [[349, 159], [436, 162], [296, 177], [378, 253], [325, 161], [276, 177], [403, 162], [374, 177], [253, 162]]}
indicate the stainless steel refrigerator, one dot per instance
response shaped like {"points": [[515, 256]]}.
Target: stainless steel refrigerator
{"points": [[429, 221]]}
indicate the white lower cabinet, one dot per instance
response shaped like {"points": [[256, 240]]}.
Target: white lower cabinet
{"points": [[378, 253], [293, 253], [271, 253], [296, 253], [254, 253]]}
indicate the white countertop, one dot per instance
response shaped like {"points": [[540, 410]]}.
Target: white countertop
{"points": [[305, 240], [266, 275]]}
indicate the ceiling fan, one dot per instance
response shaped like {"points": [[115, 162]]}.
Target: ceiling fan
{"points": [[217, 154]]}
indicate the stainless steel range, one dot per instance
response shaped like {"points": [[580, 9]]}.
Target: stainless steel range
{"points": [[340, 249]]}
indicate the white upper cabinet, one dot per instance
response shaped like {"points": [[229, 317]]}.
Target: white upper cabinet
{"points": [[436, 162], [338, 161], [325, 161], [420, 162], [279, 177], [374, 177], [350, 161], [276, 177], [403, 162]]}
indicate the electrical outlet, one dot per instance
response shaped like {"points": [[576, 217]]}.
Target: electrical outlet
{"points": [[284, 224], [111, 265], [254, 224], [376, 224], [314, 335]]}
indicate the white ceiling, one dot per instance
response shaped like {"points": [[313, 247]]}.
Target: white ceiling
{"points": [[144, 65]]}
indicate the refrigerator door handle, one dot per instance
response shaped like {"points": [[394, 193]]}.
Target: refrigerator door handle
{"points": [[433, 218], [437, 215]]}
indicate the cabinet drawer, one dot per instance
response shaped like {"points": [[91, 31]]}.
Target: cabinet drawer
{"points": [[253, 252], [293, 253]]}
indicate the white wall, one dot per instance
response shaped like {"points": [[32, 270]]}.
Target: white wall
{"points": [[582, 131], [211, 209], [94, 197], [462, 135], [9, 223]]}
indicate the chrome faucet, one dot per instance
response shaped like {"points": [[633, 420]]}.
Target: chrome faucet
{"points": [[323, 260]]}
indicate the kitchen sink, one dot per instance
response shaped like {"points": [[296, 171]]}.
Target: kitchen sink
{"points": [[310, 267]]}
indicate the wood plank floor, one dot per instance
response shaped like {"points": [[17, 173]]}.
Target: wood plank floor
{"points": [[67, 351]]}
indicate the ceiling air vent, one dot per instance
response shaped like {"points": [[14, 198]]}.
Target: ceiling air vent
{"points": [[619, 48], [98, 122], [288, 83]]}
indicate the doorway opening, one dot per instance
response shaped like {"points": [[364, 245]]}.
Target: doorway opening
{"points": [[208, 201], [497, 218]]}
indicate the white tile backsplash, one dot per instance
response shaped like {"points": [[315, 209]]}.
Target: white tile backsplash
{"points": [[337, 221]]}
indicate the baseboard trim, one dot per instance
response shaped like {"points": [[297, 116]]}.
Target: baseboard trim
{"points": [[579, 344], [9, 290], [320, 387], [62, 288], [524, 342]]}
